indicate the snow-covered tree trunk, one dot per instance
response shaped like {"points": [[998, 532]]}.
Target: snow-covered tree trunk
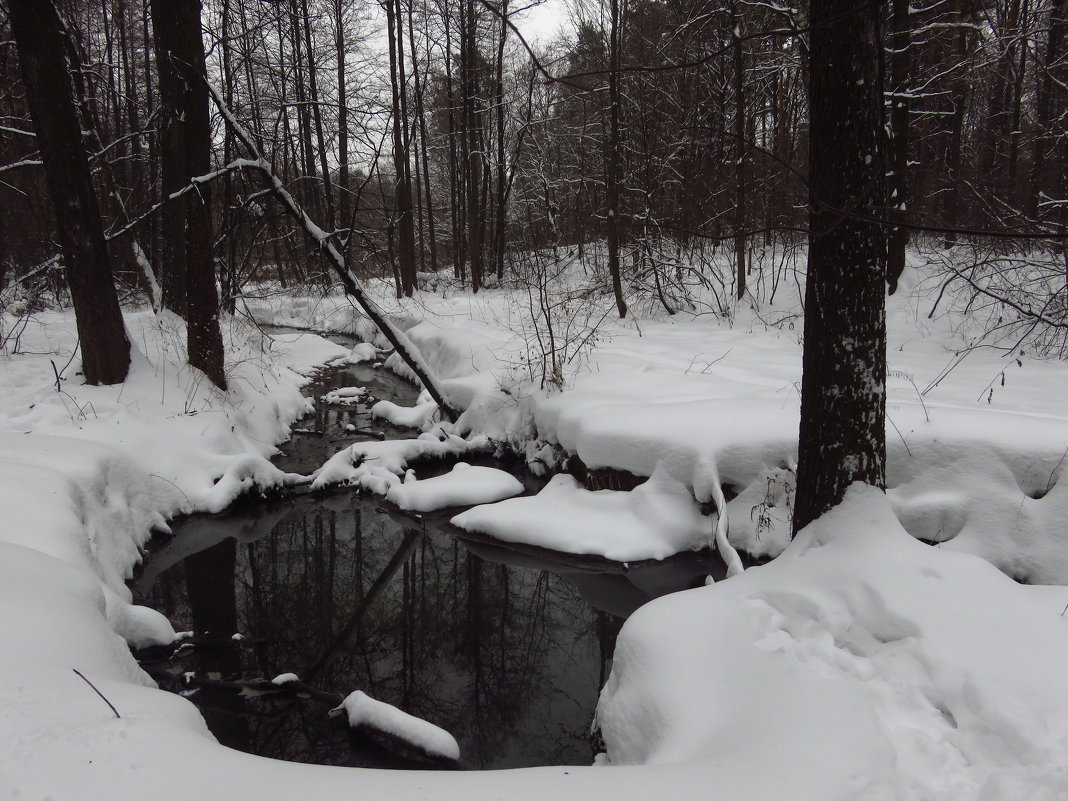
{"points": [[843, 392]]}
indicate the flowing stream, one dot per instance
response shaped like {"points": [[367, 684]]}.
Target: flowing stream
{"points": [[506, 651]]}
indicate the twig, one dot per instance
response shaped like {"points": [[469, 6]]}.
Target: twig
{"points": [[902, 436], [106, 701], [1053, 472]]}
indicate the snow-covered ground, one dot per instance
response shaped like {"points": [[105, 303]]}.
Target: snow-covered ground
{"points": [[859, 664]]}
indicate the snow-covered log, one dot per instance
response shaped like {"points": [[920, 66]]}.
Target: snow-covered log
{"points": [[362, 710]]}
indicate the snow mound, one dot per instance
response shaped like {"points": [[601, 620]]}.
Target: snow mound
{"points": [[404, 416], [862, 660], [362, 352], [142, 626], [243, 475], [362, 710], [345, 396], [655, 520], [464, 485], [972, 500], [367, 464]]}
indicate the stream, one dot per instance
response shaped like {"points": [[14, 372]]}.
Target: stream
{"points": [[505, 650]]}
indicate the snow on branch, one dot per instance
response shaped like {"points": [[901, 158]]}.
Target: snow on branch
{"points": [[14, 165]]}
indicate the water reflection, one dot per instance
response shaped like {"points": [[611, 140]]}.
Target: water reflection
{"points": [[325, 431], [507, 655]]}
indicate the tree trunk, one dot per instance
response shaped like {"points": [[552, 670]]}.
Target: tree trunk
{"points": [[1049, 176], [420, 113], [501, 220], [473, 161], [843, 396], [402, 179], [954, 155], [317, 117], [740, 188], [344, 203], [102, 335], [186, 132], [612, 169], [898, 156]]}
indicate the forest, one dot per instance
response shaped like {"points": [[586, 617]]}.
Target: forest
{"points": [[639, 394], [429, 137]]}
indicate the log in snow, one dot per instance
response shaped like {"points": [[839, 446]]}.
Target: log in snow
{"points": [[362, 710]]}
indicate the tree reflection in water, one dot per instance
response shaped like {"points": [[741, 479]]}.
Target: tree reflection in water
{"points": [[507, 657]]}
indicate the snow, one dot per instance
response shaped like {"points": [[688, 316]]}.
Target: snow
{"points": [[362, 710], [406, 417], [368, 464], [860, 664], [345, 396], [656, 520], [464, 485], [362, 352], [918, 667], [285, 678]]}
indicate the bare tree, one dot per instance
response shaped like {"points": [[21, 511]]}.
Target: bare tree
{"points": [[843, 384], [101, 332], [189, 275]]}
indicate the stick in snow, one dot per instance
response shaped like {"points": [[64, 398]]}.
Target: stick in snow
{"points": [[102, 696]]}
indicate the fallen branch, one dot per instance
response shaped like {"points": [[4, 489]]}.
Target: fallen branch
{"points": [[400, 341]]}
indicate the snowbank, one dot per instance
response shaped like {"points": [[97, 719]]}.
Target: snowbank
{"points": [[861, 664], [862, 660], [656, 520], [404, 416], [464, 485], [88, 473], [367, 464]]}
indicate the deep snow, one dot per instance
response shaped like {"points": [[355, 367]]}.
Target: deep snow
{"points": [[860, 664]]}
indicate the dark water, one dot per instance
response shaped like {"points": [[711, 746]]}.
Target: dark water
{"points": [[506, 652]]}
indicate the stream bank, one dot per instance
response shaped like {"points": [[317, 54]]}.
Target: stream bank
{"points": [[507, 648]]}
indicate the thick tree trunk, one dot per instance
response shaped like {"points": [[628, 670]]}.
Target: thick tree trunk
{"points": [[187, 154], [102, 335], [843, 400]]}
